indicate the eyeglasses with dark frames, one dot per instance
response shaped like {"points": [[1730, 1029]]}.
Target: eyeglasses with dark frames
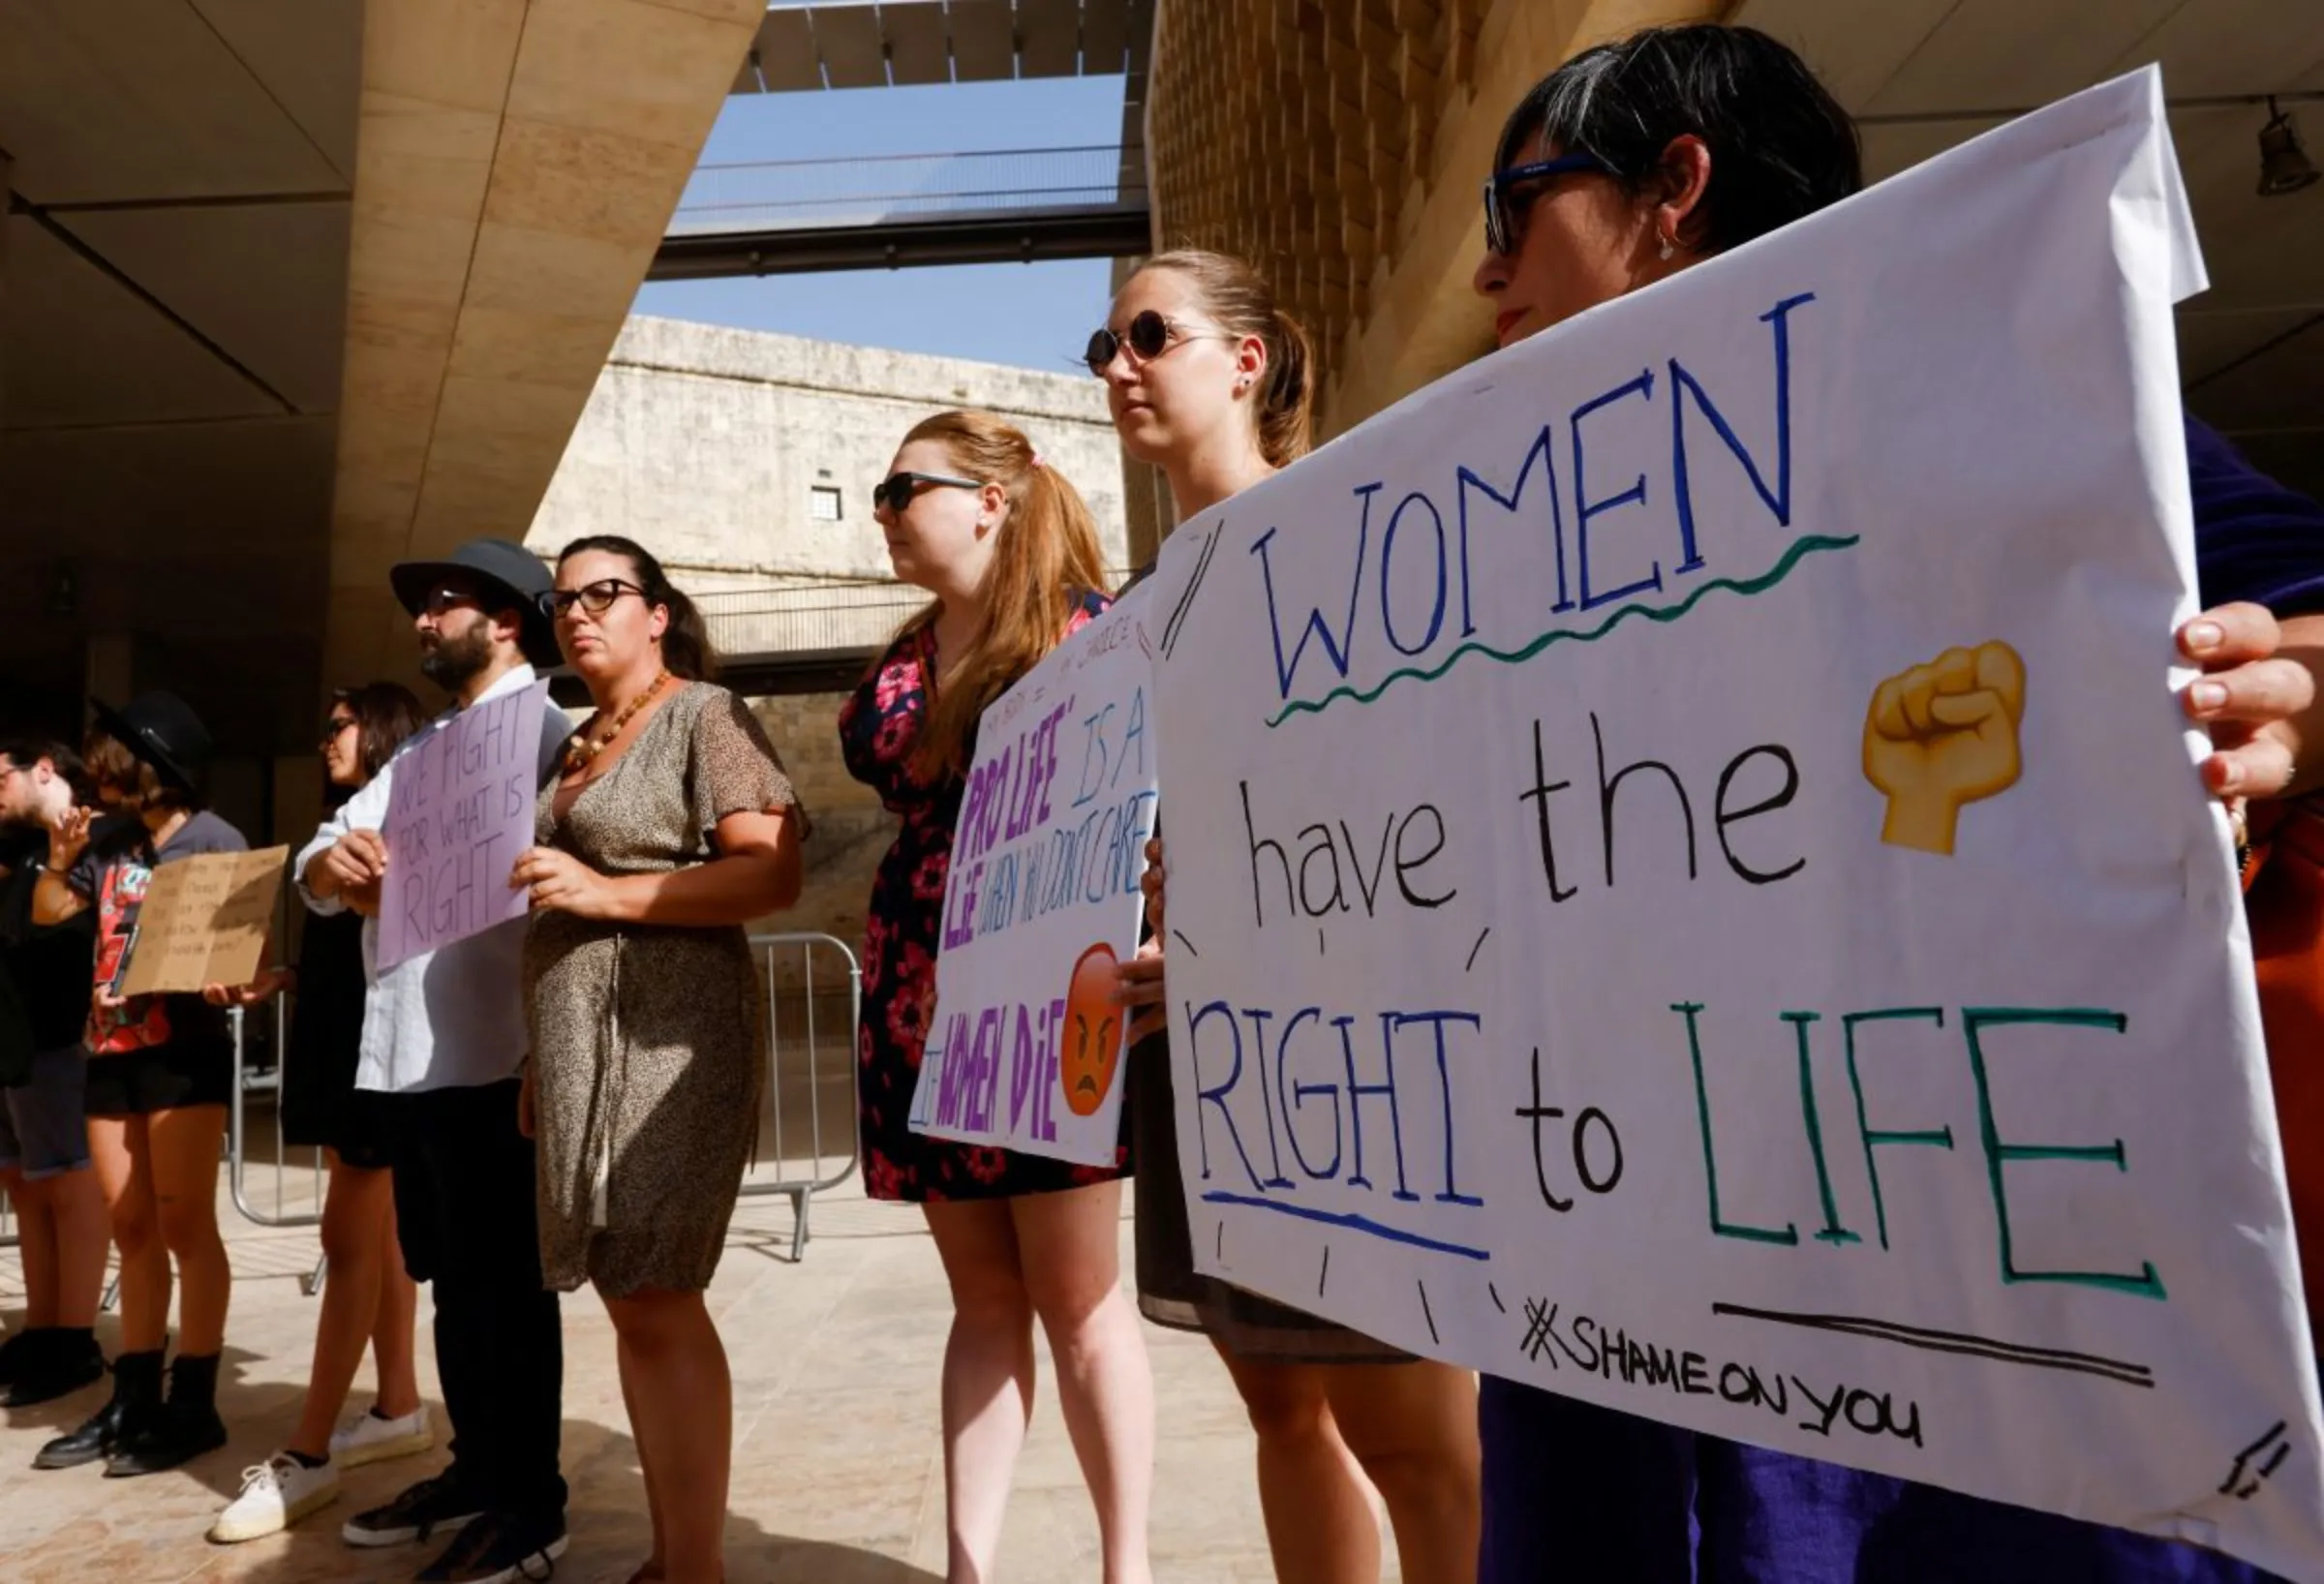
{"points": [[597, 598], [1149, 335], [336, 725], [1504, 209], [895, 491]]}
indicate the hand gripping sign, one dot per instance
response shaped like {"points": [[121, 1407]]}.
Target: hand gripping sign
{"points": [[1702, 903]]}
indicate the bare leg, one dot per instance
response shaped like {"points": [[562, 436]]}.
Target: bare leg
{"points": [[184, 1152], [1070, 1247], [987, 1377], [392, 1325], [652, 1569], [1413, 1427], [36, 1246], [351, 1209], [118, 1147], [681, 1409], [1320, 1524], [76, 1206]]}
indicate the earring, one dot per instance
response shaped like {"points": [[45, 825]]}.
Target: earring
{"points": [[1668, 248]]}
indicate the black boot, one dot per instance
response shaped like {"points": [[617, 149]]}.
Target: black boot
{"points": [[187, 1426], [12, 1353], [135, 1402], [57, 1361]]}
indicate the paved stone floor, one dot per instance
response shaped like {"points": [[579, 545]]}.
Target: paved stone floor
{"points": [[837, 1471]]}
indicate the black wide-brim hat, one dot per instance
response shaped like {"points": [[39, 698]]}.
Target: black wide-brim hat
{"points": [[509, 568], [163, 731]]}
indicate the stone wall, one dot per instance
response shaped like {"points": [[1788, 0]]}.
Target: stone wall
{"points": [[849, 831], [705, 444]]}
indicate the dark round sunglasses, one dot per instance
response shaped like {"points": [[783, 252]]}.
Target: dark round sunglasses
{"points": [[1149, 337], [1504, 209], [895, 491]]}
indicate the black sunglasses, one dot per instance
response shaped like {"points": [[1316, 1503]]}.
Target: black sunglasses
{"points": [[1503, 218], [597, 597], [1150, 336], [895, 491]]}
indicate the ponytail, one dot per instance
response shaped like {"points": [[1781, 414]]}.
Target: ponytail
{"points": [[1286, 408], [687, 652]]}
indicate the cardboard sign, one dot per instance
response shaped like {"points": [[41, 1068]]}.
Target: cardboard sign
{"points": [[204, 921], [1688, 887], [459, 810], [1043, 901]]}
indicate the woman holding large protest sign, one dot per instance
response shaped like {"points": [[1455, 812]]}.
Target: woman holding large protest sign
{"points": [[1005, 544], [671, 826], [1209, 382], [370, 1299], [161, 1070], [1631, 162]]}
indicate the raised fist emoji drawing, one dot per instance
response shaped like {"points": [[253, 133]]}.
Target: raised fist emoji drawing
{"points": [[1941, 735]]}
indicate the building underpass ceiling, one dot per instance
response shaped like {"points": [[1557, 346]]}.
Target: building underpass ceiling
{"points": [[171, 301]]}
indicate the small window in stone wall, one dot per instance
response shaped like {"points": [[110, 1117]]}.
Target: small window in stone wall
{"points": [[823, 503]]}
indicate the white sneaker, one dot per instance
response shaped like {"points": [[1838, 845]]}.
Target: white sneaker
{"points": [[367, 1438], [275, 1495]]}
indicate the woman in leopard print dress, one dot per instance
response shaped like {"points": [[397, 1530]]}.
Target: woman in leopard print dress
{"points": [[672, 825]]}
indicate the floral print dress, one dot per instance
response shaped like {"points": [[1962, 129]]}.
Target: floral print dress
{"points": [[879, 729]]}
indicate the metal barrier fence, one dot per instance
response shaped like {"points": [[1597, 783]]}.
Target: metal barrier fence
{"points": [[813, 1020], [265, 1078], [799, 1017]]}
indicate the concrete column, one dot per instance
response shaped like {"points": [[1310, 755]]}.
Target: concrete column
{"points": [[1425, 322]]}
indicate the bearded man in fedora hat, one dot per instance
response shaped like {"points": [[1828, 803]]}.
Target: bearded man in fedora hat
{"points": [[444, 1046]]}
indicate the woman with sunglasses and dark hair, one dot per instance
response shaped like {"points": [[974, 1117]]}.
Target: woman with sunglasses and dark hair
{"points": [[974, 516], [369, 1299], [670, 827], [1631, 162], [1209, 382]]}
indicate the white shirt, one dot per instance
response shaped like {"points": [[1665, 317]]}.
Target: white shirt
{"points": [[452, 1017]]}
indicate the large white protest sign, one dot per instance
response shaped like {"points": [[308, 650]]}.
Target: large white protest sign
{"points": [[1687, 886], [458, 813], [1043, 901]]}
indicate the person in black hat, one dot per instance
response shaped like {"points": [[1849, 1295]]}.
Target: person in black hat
{"points": [[443, 1046], [161, 1071]]}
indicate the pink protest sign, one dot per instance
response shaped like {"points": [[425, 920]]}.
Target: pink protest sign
{"points": [[460, 812]]}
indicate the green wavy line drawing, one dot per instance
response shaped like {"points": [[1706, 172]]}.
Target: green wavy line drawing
{"points": [[1801, 549]]}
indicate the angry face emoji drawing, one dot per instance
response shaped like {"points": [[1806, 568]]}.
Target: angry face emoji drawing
{"points": [[1090, 1043]]}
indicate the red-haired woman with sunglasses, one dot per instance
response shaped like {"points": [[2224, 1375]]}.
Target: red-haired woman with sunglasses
{"points": [[974, 515]]}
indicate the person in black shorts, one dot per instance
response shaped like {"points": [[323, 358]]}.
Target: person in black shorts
{"points": [[159, 1072], [43, 1128], [371, 1298]]}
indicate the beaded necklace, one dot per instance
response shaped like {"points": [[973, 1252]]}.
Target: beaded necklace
{"points": [[580, 753]]}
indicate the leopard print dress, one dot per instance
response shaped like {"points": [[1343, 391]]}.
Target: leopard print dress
{"points": [[649, 1041]]}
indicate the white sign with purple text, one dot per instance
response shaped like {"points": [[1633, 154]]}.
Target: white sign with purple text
{"points": [[1043, 901]]}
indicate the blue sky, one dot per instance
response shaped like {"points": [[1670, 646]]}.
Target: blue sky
{"points": [[1034, 316]]}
